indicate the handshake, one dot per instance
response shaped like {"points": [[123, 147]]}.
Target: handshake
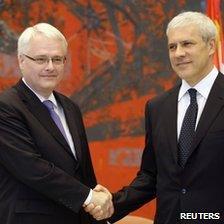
{"points": [[101, 205]]}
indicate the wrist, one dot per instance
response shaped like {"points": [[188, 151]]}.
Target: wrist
{"points": [[88, 199]]}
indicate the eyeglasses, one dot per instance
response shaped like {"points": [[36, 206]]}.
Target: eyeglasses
{"points": [[42, 60]]}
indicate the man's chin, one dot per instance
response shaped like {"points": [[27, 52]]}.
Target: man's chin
{"points": [[183, 74]]}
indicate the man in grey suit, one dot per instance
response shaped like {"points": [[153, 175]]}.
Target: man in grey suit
{"points": [[183, 160], [46, 173]]}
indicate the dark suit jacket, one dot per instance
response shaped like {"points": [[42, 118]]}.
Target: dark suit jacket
{"points": [[199, 187], [40, 180]]}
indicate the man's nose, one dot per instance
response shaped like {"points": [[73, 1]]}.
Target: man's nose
{"points": [[50, 65], [179, 51]]}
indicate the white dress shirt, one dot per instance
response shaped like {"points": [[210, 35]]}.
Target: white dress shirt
{"points": [[203, 89]]}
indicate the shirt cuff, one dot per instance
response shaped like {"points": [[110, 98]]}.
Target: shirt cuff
{"points": [[88, 199]]}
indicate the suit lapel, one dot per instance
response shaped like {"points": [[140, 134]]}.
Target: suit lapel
{"points": [[71, 119], [171, 120], [35, 106], [213, 106]]}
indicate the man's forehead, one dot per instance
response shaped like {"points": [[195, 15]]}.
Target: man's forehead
{"points": [[178, 35]]}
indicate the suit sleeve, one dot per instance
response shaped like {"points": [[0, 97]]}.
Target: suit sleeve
{"points": [[143, 188], [19, 155]]}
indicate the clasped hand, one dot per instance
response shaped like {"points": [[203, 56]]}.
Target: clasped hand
{"points": [[101, 205]]}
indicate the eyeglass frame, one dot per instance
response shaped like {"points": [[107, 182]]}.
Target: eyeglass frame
{"points": [[47, 59]]}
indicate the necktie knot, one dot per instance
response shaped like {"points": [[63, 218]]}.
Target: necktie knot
{"points": [[49, 104], [193, 93]]}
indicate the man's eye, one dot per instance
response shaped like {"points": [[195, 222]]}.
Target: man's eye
{"points": [[172, 47], [41, 60], [186, 44], [57, 60]]}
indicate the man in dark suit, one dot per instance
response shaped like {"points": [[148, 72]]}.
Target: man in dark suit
{"points": [[183, 160], [46, 173]]}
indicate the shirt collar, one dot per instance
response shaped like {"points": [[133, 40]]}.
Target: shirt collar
{"points": [[41, 98], [203, 87]]}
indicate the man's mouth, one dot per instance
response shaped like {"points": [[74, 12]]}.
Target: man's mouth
{"points": [[183, 63], [48, 76]]}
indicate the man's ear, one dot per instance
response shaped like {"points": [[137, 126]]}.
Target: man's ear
{"points": [[212, 46], [21, 61]]}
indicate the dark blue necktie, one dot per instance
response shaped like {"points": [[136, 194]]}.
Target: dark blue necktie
{"points": [[188, 128], [55, 117]]}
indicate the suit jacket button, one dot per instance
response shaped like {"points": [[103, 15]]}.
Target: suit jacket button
{"points": [[183, 191]]}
